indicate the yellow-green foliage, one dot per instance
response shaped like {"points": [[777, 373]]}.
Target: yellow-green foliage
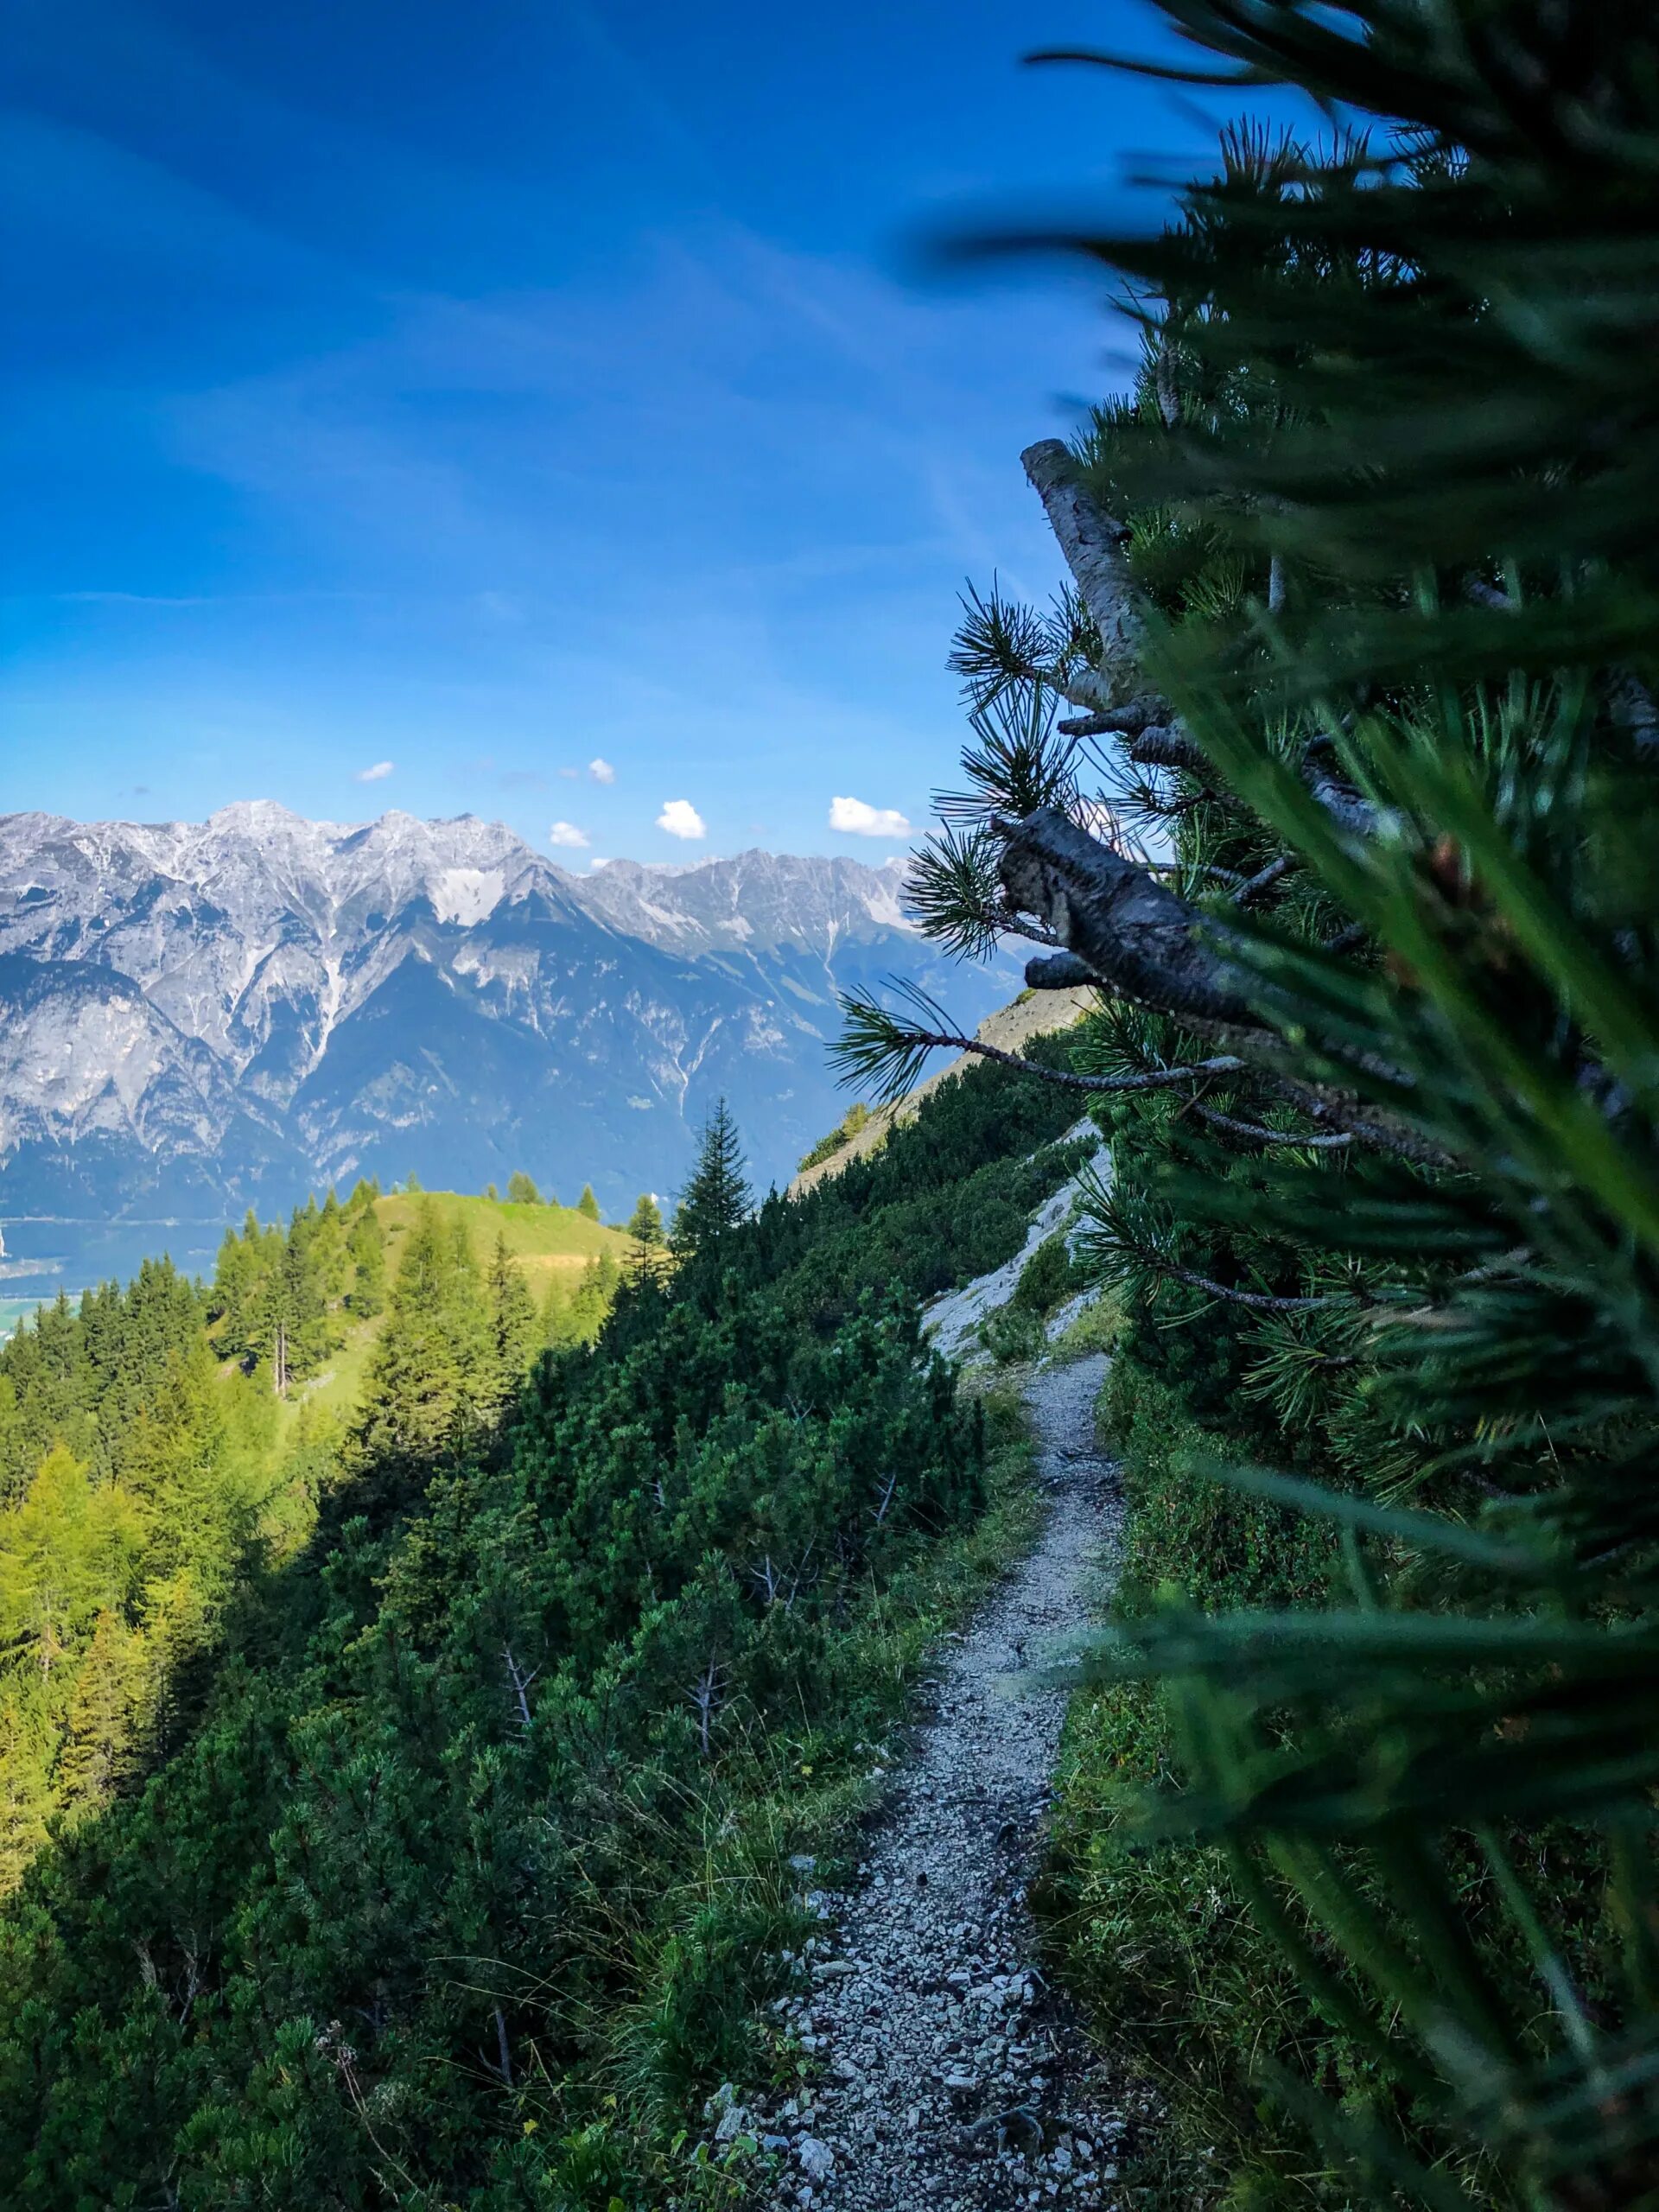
{"points": [[855, 1118]]}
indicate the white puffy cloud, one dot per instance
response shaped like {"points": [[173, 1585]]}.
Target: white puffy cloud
{"points": [[602, 772], [681, 819], [853, 818], [377, 774], [566, 833]]}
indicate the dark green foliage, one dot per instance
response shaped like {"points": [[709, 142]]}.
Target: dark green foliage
{"points": [[587, 1203], [470, 1866], [521, 1191], [718, 1196]]}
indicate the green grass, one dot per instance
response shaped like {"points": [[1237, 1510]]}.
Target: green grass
{"points": [[1158, 1945], [544, 1239]]}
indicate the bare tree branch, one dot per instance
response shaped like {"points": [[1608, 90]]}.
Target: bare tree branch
{"points": [[1259, 1301], [1127, 721], [1059, 971], [1152, 1079], [1259, 1133], [1092, 543], [1165, 746], [1139, 937], [1265, 878]]}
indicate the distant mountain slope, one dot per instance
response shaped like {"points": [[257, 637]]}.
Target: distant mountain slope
{"points": [[1009, 1028], [194, 1016]]}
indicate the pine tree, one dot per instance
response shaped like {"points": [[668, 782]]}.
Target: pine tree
{"points": [[587, 1203], [428, 1377], [717, 1198], [583, 1316], [100, 1747], [521, 1191], [650, 1239], [1362, 624]]}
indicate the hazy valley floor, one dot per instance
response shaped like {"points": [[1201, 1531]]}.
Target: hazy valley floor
{"points": [[952, 2073]]}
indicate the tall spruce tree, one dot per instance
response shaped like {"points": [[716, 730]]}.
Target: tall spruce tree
{"points": [[718, 1197], [1333, 769]]}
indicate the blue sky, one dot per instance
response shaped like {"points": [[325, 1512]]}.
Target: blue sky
{"points": [[475, 393]]}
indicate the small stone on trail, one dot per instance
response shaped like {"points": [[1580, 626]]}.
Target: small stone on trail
{"points": [[817, 2160]]}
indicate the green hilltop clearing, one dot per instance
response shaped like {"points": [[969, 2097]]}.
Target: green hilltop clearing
{"points": [[546, 1241], [570, 1264]]}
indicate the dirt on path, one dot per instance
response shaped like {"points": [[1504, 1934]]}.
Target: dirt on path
{"points": [[953, 2076]]}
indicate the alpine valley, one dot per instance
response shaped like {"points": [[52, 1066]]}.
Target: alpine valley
{"points": [[198, 1017]]}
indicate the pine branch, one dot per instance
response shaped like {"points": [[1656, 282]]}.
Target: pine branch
{"points": [[1259, 1133], [1259, 1301], [878, 1051]]}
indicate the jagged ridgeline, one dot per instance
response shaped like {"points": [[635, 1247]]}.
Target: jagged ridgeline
{"points": [[1335, 770], [398, 1798]]}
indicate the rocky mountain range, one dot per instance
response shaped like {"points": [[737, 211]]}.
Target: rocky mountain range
{"points": [[196, 1017]]}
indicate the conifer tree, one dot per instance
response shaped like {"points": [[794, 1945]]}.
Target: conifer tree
{"points": [[521, 1191], [426, 1377], [366, 1247], [646, 1222], [717, 1198], [100, 1747], [513, 1329], [650, 1238], [587, 1203], [583, 1316]]}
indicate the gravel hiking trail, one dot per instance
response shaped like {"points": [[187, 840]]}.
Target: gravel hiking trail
{"points": [[952, 2075]]}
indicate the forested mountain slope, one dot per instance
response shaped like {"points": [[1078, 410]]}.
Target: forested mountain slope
{"points": [[158, 1441], [464, 1859]]}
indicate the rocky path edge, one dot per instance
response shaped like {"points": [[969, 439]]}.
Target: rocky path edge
{"points": [[952, 2075]]}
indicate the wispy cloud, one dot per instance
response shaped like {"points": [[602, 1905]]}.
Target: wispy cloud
{"points": [[567, 834], [681, 819], [857, 819], [377, 774]]}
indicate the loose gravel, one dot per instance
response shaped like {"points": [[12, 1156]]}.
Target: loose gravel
{"points": [[951, 2073]]}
